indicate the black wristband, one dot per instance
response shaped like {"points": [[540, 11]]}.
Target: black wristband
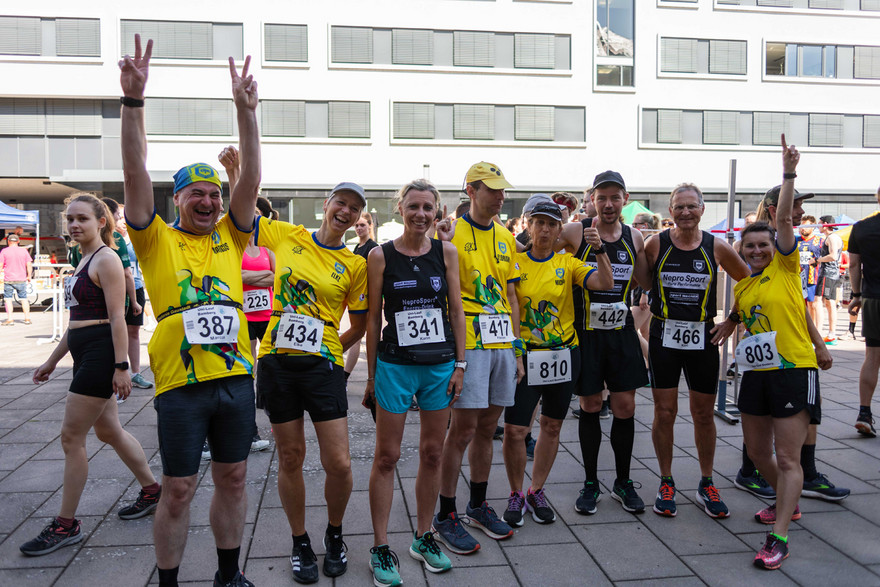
{"points": [[789, 175], [600, 250], [855, 295], [131, 102], [734, 317]]}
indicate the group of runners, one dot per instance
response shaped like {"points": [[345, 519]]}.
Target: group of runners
{"points": [[476, 326]]}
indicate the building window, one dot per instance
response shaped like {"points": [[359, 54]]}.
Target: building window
{"points": [[22, 117], [669, 126], [727, 57], [473, 121], [413, 121], [73, 118], [189, 116], [616, 20], [712, 56], [534, 50], [720, 128], [678, 55], [73, 37], [473, 49], [826, 130], [185, 40], [351, 44], [349, 120], [768, 126], [283, 118], [286, 42], [871, 5], [779, 3], [614, 75], [871, 131], [799, 60], [832, 4], [412, 46], [867, 63], [534, 123]]}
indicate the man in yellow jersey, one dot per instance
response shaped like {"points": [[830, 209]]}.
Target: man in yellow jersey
{"points": [[200, 351], [488, 275]]}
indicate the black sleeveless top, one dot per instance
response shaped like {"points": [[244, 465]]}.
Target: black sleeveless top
{"points": [[364, 249], [683, 286], [622, 254], [414, 283], [90, 303]]}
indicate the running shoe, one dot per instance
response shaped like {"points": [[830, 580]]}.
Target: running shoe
{"points": [[830, 339], [755, 484], [304, 563], [576, 412], [238, 581], [516, 507], [137, 380], [530, 448], [384, 564], [206, 452], [768, 515], [427, 550], [708, 495], [335, 562], [541, 510], [53, 537], [664, 504], [499, 433], [772, 554], [588, 498], [258, 444], [605, 412], [485, 518], [454, 535], [865, 425], [822, 488], [414, 405], [142, 506], [849, 336], [626, 494]]}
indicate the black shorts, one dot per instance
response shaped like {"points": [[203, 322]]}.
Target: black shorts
{"points": [[256, 330], [221, 410], [700, 367], [613, 358], [781, 393], [130, 318], [871, 321], [291, 385], [828, 287], [555, 398], [93, 358]]}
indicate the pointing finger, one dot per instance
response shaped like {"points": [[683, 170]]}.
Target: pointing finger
{"points": [[784, 144]]}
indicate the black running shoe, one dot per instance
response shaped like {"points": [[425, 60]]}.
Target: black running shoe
{"points": [[588, 498], [499, 433], [865, 425], [664, 504], [755, 484], [239, 581], [626, 494], [822, 488], [53, 537], [304, 563], [335, 562], [709, 497], [142, 506]]}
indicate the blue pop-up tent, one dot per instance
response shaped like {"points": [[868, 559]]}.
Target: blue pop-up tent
{"points": [[10, 218]]}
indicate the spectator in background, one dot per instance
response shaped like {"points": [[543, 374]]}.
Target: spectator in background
{"points": [[512, 225], [366, 243], [809, 245], [829, 279], [568, 201], [668, 223], [462, 209], [17, 268]]}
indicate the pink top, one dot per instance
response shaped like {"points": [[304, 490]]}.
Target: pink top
{"points": [[14, 261], [262, 296]]}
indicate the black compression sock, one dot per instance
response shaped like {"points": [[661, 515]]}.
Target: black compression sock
{"points": [[227, 561], [748, 467], [168, 577], [478, 493], [622, 437], [447, 506], [590, 436], [808, 461]]}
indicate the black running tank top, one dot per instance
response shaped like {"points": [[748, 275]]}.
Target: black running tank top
{"points": [[684, 282], [622, 254], [86, 300]]}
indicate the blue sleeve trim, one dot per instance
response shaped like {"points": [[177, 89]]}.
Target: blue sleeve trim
{"points": [[240, 229], [358, 311], [793, 249], [513, 280], [135, 226], [256, 231]]}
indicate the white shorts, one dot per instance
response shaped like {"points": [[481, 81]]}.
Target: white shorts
{"points": [[490, 379]]}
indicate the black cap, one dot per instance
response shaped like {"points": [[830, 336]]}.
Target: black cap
{"points": [[771, 198], [550, 209], [609, 177]]}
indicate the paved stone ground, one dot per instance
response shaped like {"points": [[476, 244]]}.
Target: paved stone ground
{"points": [[833, 544]]}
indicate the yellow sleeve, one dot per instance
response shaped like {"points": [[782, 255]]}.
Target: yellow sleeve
{"points": [[790, 261], [580, 271], [144, 239], [238, 237], [357, 295]]}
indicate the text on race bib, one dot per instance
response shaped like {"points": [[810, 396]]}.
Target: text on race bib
{"points": [[495, 328], [682, 335], [608, 316], [757, 352], [806, 257], [419, 326], [211, 325], [69, 300], [257, 300], [299, 333], [549, 367]]}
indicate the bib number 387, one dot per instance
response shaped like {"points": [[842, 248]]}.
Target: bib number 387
{"points": [[757, 352], [299, 333], [211, 325], [419, 327], [685, 336], [495, 328], [549, 367]]}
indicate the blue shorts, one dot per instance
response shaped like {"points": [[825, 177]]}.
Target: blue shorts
{"points": [[19, 287], [810, 293], [397, 384]]}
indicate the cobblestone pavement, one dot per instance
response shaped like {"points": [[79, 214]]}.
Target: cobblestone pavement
{"points": [[833, 544]]}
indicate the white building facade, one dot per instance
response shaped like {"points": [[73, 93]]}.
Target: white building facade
{"points": [[553, 91]]}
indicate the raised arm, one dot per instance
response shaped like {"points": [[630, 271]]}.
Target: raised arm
{"points": [[138, 187], [244, 194], [784, 225]]}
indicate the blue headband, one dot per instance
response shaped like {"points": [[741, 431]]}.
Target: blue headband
{"points": [[196, 172]]}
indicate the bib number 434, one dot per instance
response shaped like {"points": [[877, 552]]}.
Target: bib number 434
{"points": [[299, 333]]}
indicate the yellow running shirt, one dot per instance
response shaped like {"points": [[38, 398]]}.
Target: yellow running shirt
{"points": [[546, 300], [312, 280], [182, 269], [772, 300], [485, 267]]}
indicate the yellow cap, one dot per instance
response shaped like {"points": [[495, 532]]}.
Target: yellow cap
{"points": [[489, 173]]}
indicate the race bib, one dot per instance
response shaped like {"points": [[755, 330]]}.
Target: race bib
{"points": [[419, 326], [496, 328], [211, 325], [607, 316], [806, 257], [299, 333], [257, 300], [685, 336], [548, 367], [69, 300], [757, 352]]}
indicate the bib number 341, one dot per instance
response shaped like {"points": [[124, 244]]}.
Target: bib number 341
{"points": [[419, 327], [299, 333], [495, 328], [685, 336], [549, 367], [211, 325]]}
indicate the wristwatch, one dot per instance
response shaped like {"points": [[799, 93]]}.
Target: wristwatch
{"points": [[461, 365], [123, 366], [600, 250]]}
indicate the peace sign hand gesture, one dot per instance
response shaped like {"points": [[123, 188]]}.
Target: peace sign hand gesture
{"points": [[133, 78], [244, 87]]}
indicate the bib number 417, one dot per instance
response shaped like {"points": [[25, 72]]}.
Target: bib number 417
{"points": [[495, 328]]}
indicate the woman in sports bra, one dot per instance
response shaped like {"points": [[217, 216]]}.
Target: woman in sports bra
{"points": [[98, 341], [421, 353]]}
